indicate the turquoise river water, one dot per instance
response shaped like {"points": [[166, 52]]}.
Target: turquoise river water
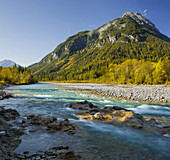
{"points": [[92, 140]]}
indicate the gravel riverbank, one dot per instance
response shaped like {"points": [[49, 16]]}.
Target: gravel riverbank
{"points": [[149, 93]]}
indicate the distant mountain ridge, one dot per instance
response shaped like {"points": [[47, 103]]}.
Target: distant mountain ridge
{"points": [[130, 37], [7, 63]]}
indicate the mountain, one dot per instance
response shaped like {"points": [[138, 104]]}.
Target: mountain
{"points": [[92, 54], [7, 63]]}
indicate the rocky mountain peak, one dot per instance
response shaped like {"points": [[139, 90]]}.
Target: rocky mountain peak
{"points": [[141, 20], [128, 14]]}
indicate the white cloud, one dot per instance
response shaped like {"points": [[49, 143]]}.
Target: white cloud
{"points": [[145, 12], [92, 26]]}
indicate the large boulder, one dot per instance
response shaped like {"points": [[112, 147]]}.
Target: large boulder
{"points": [[128, 118]]}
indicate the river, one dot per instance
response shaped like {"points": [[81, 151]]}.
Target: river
{"points": [[93, 140]]}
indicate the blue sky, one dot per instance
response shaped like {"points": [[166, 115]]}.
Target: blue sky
{"points": [[30, 29]]}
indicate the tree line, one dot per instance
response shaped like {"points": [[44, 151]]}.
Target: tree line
{"points": [[141, 72], [131, 71], [16, 75]]}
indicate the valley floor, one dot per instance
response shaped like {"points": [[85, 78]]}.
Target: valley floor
{"points": [[149, 93]]}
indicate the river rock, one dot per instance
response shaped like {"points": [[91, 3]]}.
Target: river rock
{"points": [[119, 115], [152, 122], [109, 109], [128, 118], [50, 124], [165, 130], [8, 114], [8, 95], [3, 95], [63, 125], [83, 113], [85, 105], [37, 120], [55, 126], [9, 136], [109, 113], [54, 153]]}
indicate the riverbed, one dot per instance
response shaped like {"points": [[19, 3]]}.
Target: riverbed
{"points": [[147, 93], [92, 140]]}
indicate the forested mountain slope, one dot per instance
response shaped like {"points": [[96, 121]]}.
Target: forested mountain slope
{"points": [[95, 55]]}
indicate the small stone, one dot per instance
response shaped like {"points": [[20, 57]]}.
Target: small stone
{"points": [[26, 152], [70, 132]]}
